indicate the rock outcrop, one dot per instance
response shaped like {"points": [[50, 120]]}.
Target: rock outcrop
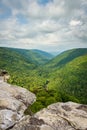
{"points": [[58, 116], [31, 123], [65, 116], [13, 102]]}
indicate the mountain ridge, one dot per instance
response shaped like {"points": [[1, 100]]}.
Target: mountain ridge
{"points": [[12, 58], [67, 56]]}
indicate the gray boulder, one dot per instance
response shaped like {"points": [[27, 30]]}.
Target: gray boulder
{"points": [[31, 123], [13, 102], [58, 116], [65, 116]]}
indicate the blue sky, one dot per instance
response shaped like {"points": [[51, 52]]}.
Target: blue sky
{"points": [[44, 2], [50, 25]]}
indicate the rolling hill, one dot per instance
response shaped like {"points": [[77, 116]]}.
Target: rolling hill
{"points": [[35, 56], [65, 57], [22, 60]]}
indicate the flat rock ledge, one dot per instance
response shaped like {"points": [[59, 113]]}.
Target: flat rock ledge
{"points": [[13, 102]]}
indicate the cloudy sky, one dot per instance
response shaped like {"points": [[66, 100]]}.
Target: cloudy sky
{"points": [[50, 25]]}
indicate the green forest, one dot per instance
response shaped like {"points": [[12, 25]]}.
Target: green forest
{"points": [[53, 79]]}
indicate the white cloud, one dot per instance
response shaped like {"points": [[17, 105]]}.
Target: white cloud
{"points": [[58, 24], [75, 22]]}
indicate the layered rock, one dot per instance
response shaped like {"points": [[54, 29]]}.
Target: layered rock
{"points": [[13, 102]]}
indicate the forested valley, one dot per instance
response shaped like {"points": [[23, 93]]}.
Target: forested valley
{"points": [[53, 79]]}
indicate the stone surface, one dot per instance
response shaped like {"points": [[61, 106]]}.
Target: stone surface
{"points": [[13, 102], [31, 123], [65, 116], [58, 116]]}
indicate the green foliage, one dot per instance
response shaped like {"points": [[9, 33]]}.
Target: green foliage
{"points": [[72, 79], [67, 97], [35, 107], [65, 57], [64, 78]]}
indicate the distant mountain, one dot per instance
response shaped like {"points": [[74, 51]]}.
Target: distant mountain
{"points": [[21, 59], [36, 56], [43, 53]]}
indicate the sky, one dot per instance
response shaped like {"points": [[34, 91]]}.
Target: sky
{"points": [[49, 25]]}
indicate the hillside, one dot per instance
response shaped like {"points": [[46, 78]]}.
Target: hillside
{"points": [[12, 61], [35, 56], [21, 59], [65, 57], [71, 79]]}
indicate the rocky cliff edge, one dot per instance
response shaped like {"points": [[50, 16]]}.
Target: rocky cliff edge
{"points": [[13, 102]]}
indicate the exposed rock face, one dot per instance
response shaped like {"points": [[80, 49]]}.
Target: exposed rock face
{"points": [[58, 116], [13, 102], [65, 116], [31, 123]]}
